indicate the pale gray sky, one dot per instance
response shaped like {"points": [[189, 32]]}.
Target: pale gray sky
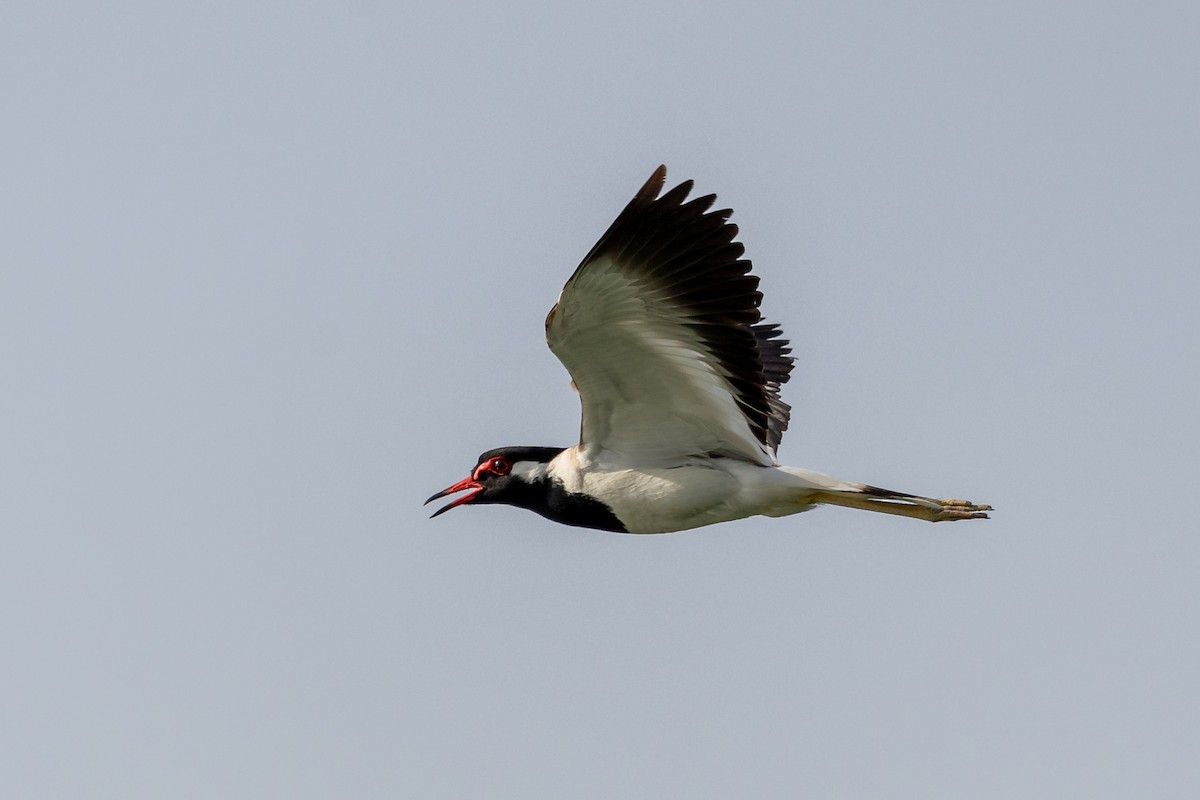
{"points": [[273, 273]]}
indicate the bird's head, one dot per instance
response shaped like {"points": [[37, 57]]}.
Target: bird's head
{"points": [[504, 475]]}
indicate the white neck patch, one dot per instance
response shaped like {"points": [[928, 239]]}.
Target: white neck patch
{"points": [[529, 471]]}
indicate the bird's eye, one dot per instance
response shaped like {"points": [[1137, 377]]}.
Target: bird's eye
{"points": [[500, 466]]}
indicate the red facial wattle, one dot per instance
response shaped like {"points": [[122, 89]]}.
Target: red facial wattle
{"points": [[494, 467]]}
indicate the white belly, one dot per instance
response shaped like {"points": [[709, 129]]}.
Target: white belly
{"points": [[663, 500], [702, 492]]}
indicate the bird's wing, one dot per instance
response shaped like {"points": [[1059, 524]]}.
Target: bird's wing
{"points": [[660, 330]]}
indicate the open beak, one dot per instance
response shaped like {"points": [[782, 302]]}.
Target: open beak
{"points": [[463, 485]]}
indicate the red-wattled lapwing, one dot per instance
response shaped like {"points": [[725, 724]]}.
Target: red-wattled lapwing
{"points": [[679, 381]]}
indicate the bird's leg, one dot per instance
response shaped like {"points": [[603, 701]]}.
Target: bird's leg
{"points": [[888, 502]]}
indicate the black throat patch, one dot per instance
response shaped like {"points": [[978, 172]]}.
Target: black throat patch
{"points": [[547, 497], [578, 509]]}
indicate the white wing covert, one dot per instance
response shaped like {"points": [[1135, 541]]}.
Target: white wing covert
{"points": [[660, 329]]}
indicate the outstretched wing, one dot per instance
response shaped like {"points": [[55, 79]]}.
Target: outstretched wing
{"points": [[660, 330]]}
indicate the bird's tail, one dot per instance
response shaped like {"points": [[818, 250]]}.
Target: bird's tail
{"points": [[872, 498]]}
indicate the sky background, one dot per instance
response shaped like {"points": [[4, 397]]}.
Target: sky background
{"points": [[273, 273]]}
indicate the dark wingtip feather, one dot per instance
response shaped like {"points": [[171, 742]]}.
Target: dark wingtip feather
{"points": [[653, 185]]}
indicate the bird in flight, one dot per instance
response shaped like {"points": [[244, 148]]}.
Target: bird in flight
{"points": [[679, 380]]}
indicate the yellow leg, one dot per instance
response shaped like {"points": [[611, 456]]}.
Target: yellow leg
{"points": [[906, 505]]}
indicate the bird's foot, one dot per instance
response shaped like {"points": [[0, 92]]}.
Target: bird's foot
{"points": [[960, 509]]}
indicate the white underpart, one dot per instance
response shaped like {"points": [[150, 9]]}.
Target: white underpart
{"points": [[694, 493]]}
